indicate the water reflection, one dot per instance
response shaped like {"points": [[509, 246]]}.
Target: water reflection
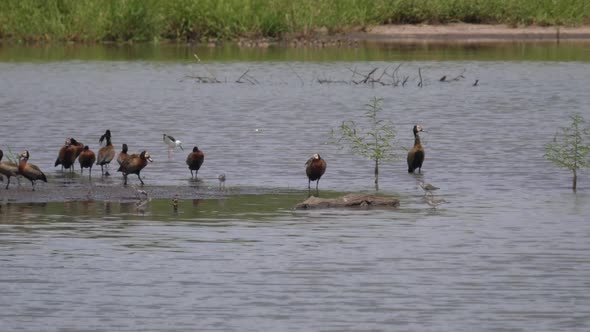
{"points": [[361, 51]]}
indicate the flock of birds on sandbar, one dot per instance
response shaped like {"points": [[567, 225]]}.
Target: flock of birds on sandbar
{"points": [[72, 150]]}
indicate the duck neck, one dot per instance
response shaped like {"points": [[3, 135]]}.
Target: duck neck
{"points": [[416, 139]]}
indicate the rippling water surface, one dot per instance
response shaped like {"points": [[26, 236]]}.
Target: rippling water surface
{"points": [[509, 251]]}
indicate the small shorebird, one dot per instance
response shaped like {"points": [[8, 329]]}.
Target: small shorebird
{"points": [[221, 178], [434, 203], [427, 187], [416, 154], [172, 143], [315, 167]]}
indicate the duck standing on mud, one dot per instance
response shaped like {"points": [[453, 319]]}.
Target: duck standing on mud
{"points": [[30, 171], [106, 153], [123, 154], [134, 164], [8, 169], [194, 160], [86, 160], [66, 156], [315, 167]]}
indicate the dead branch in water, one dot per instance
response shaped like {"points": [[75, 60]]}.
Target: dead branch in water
{"points": [[245, 78]]}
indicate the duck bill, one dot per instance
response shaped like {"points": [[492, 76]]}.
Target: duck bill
{"points": [[150, 159]]}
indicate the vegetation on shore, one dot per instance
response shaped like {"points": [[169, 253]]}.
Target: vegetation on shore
{"points": [[148, 20]]}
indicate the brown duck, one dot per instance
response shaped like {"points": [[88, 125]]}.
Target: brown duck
{"points": [[134, 164], [8, 169], [105, 154], [66, 156], [86, 160], [416, 154], [123, 154], [30, 171], [315, 167], [194, 160]]}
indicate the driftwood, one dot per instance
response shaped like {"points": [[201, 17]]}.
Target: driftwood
{"points": [[362, 201]]}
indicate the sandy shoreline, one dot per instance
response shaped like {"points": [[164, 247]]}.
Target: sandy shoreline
{"points": [[471, 32]]}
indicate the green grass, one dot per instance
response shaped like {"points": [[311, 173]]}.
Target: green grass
{"points": [[146, 20]]}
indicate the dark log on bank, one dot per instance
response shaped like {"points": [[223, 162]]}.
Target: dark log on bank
{"points": [[361, 201]]}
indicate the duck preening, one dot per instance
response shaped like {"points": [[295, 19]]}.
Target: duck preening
{"points": [[29, 171], [66, 156], [315, 167], [194, 160], [8, 169], [134, 164], [172, 143], [78, 146], [86, 160], [416, 154], [105, 153]]}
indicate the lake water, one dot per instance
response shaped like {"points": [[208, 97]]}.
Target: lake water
{"points": [[508, 252]]}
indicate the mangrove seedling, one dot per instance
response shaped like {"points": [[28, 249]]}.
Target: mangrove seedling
{"points": [[569, 148], [372, 139]]}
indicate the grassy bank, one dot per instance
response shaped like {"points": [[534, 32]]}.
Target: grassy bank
{"points": [[147, 20]]}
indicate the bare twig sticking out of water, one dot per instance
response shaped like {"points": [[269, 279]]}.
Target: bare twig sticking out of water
{"points": [[420, 75], [245, 78], [299, 77], [204, 79]]}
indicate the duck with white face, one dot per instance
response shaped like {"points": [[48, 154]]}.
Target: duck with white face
{"points": [[30, 171], [416, 154], [315, 167], [134, 164]]}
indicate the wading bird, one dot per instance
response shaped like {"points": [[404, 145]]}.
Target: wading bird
{"points": [[427, 187], [416, 154], [105, 153], [172, 143], [30, 171], [66, 156], [86, 160], [8, 169], [123, 154], [315, 167], [134, 164], [221, 178], [194, 160]]}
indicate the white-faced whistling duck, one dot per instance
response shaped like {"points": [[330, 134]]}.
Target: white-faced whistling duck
{"points": [[172, 143], [416, 154], [134, 164], [66, 156], [105, 153], [123, 154], [30, 171], [315, 167], [86, 160], [194, 160], [79, 146], [8, 169]]}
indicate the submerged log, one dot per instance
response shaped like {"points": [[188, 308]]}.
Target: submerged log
{"points": [[362, 201]]}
